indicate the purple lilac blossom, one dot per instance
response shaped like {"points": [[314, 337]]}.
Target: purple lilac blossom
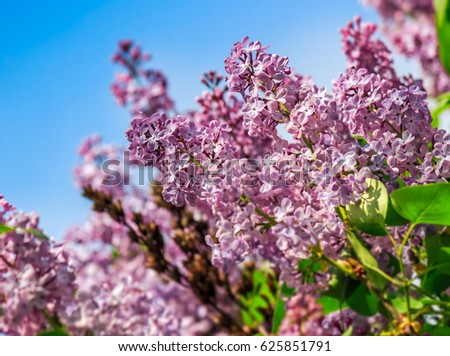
{"points": [[144, 89], [373, 124], [409, 25], [37, 280]]}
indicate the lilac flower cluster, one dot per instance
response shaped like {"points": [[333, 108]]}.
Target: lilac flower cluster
{"points": [[217, 103], [144, 89], [118, 293], [128, 299], [117, 182], [266, 83], [373, 124], [90, 172], [410, 27], [305, 317], [178, 147], [363, 51], [36, 278]]}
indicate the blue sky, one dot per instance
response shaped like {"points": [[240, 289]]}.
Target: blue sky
{"points": [[55, 73]]}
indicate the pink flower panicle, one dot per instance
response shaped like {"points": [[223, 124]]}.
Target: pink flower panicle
{"points": [[267, 85], [410, 27], [144, 89], [36, 278], [363, 51]]}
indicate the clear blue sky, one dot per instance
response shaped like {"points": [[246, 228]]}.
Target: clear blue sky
{"points": [[55, 73]]}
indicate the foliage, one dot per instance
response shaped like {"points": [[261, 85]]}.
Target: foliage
{"points": [[442, 8]]}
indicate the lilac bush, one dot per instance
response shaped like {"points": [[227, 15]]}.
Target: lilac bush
{"points": [[277, 208]]}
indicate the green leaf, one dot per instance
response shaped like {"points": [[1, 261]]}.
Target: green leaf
{"points": [[280, 307], [340, 289], [39, 234], [442, 16], [5, 228], [440, 330], [115, 254], [330, 304], [247, 318], [437, 275], [363, 301], [261, 285], [307, 142], [443, 102], [369, 213], [393, 218], [341, 213], [346, 292], [424, 204], [442, 263], [35, 232], [435, 282], [278, 315], [400, 182], [383, 310], [57, 331], [368, 261], [348, 332], [304, 264], [308, 267], [287, 292], [436, 330], [433, 244], [252, 315], [394, 264], [399, 303], [261, 297]]}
